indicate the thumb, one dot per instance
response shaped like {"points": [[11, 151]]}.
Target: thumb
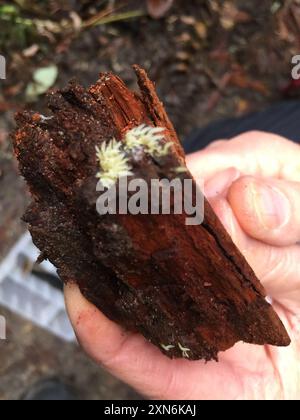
{"points": [[267, 209], [277, 268]]}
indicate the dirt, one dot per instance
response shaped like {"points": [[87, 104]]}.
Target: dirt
{"points": [[209, 59], [13, 201], [30, 354]]}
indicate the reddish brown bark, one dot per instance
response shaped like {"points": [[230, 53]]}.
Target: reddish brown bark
{"points": [[153, 274]]}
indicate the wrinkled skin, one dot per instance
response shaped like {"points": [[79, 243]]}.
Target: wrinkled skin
{"points": [[253, 183]]}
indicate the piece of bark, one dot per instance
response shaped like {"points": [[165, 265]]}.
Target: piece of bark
{"points": [[180, 286]]}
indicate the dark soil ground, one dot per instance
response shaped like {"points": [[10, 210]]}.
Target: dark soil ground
{"points": [[209, 59], [31, 354]]}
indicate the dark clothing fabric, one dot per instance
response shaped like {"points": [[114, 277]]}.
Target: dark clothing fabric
{"points": [[282, 119]]}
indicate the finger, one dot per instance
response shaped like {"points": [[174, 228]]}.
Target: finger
{"points": [[252, 153], [128, 356], [220, 183], [81, 312], [277, 268], [134, 360], [267, 209], [216, 143]]}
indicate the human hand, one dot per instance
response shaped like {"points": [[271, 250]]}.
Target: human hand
{"points": [[253, 183]]}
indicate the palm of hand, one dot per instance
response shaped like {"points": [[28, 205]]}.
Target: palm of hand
{"points": [[245, 371]]}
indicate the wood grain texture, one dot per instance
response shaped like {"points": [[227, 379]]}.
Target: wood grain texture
{"points": [[153, 274]]}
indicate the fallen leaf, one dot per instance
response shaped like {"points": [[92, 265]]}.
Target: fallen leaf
{"points": [[230, 15], [181, 67], [76, 20], [242, 106], [184, 38], [158, 8], [214, 5], [31, 51], [46, 76], [188, 20], [275, 7], [201, 30], [241, 80], [183, 56], [43, 79], [289, 22]]}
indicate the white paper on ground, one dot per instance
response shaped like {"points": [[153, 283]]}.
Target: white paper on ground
{"points": [[30, 296]]}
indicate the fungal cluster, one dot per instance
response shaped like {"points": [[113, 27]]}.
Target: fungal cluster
{"points": [[147, 138], [113, 157], [185, 350], [113, 161]]}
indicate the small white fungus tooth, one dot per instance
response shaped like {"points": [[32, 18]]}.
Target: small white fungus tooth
{"points": [[113, 163], [181, 169], [44, 118], [147, 138], [184, 350], [168, 347]]}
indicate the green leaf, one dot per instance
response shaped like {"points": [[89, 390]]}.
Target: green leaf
{"points": [[46, 76], [43, 79], [8, 9]]}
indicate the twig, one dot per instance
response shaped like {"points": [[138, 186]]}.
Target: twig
{"points": [[114, 18], [102, 14]]}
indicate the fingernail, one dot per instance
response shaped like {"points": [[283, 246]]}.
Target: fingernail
{"points": [[219, 184], [271, 206]]}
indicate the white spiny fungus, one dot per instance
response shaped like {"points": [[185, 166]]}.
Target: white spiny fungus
{"points": [[168, 347], [44, 118], [181, 170], [149, 139], [184, 350], [113, 163], [113, 156]]}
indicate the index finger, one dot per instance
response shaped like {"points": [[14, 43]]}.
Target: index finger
{"points": [[252, 153]]}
